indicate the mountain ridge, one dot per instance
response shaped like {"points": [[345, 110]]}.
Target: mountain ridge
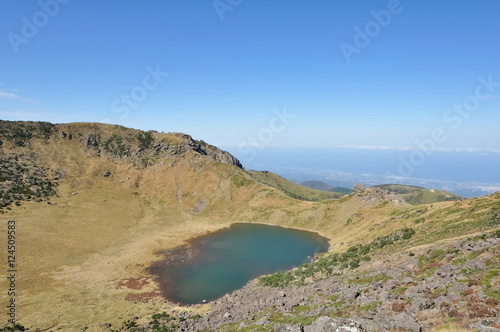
{"points": [[321, 185], [290, 188], [418, 195]]}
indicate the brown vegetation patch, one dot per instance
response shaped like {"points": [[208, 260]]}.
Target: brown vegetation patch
{"points": [[472, 282], [433, 265], [133, 283], [491, 302], [399, 306], [468, 291], [431, 317], [142, 297]]}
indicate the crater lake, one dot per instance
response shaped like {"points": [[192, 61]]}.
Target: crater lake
{"points": [[210, 266]]}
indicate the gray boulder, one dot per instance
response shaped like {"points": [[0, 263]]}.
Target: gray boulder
{"points": [[289, 328], [405, 322], [407, 280], [372, 325], [351, 294], [478, 326], [457, 288], [444, 299], [263, 321], [475, 264], [419, 305], [383, 321], [327, 324]]}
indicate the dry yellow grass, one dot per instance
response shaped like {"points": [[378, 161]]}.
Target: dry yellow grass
{"points": [[450, 327]]}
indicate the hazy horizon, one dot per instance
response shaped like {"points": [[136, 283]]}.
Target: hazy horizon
{"points": [[465, 173]]}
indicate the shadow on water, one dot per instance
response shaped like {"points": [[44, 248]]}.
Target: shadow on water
{"points": [[210, 266]]}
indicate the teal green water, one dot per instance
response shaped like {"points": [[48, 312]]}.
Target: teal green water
{"points": [[220, 262]]}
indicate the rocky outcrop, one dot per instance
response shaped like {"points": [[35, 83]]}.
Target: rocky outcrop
{"points": [[359, 189], [91, 141], [200, 206], [375, 194], [327, 324], [211, 151]]}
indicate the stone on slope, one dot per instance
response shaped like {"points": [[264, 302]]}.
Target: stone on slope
{"points": [[327, 324]]}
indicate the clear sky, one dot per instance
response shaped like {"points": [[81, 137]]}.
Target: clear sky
{"points": [[347, 72]]}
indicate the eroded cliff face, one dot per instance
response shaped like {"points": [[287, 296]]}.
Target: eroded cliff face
{"points": [[203, 148], [375, 194]]}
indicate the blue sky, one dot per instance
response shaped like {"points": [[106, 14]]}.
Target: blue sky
{"points": [[232, 65]]}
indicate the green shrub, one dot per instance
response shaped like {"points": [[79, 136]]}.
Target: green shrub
{"points": [[145, 140], [14, 328], [419, 220], [280, 279]]}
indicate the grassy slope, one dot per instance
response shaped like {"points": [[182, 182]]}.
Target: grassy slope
{"points": [[320, 185], [292, 189], [74, 254], [418, 195]]}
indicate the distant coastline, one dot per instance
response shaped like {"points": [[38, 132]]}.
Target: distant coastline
{"points": [[467, 174]]}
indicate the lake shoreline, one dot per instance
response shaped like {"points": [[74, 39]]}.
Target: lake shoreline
{"points": [[177, 260]]}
